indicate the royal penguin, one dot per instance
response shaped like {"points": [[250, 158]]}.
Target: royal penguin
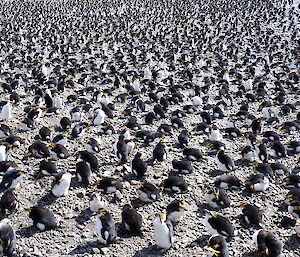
{"points": [[9, 202], [97, 202], [148, 192], [92, 145], [12, 178], [218, 224], [192, 154], [227, 181], [183, 166], [83, 173], [105, 227], [175, 211], [132, 221], [42, 218], [61, 184], [138, 166], [216, 247], [121, 150], [257, 183], [47, 167], [163, 232], [267, 243], [252, 215], [89, 158], [216, 198], [175, 184], [8, 238], [224, 162], [159, 152]]}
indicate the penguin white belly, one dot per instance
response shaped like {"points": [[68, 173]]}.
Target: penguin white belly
{"points": [[99, 119], [144, 197], [262, 186], [2, 153], [221, 166], [62, 188], [76, 116], [161, 235], [209, 200], [98, 231], [249, 156], [6, 112], [96, 204], [215, 136], [16, 181], [130, 146], [223, 185], [41, 226], [175, 216]]}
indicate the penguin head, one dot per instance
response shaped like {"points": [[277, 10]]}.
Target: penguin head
{"points": [[101, 212], [216, 192], [182, 206], [20, 169], [161, 216], [127, 206]]}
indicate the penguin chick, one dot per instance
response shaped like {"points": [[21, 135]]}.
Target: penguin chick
{"points": [[105, 227], [175, 184], [8, 238], [216, 198], [138, 166], [268, 245], [224, 162], [252, 214], [8, 203], [217, 224], [227, 181], [217, 247], [97, 202], [175, 211], [61, 184], [83, 172], [42, 218], [163, 232], [131, 220], [148, 192], [11, 179]]}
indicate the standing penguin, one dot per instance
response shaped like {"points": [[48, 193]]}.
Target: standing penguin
{"points": [[8, 238], [42, 218], [105, 227], [120, 150], [268, 245], [11, 179], [217, 247], [84, 173], [163, 232], [175, 211], [8, 202], [139, 166], [131, 220], [99, 117], [61, 184], [6, 112]]}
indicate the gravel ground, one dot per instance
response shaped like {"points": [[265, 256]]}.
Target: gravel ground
{"points": [[75, 235]]}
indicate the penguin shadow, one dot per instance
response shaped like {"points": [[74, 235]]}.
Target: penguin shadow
{"points": [[86, 248], [27, 231], [47, 199], [251, 254], [215, 173], [201, 241], [149, 251], [293, 243], [241, 163], [84, 216]]}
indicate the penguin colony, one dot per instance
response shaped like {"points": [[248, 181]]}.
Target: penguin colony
{"points": [[136, 128]]}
